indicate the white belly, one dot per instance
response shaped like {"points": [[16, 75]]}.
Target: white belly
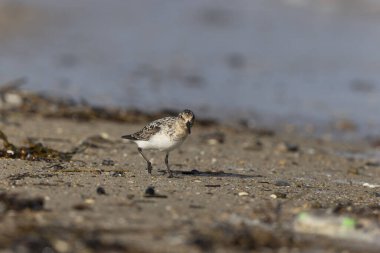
{"points": [[160, 142]]}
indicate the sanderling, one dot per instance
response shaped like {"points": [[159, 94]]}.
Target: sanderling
{"points": [[163, 134]]}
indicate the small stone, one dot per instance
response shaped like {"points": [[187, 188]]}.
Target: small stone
{"points": [[101, 191], [281, 183], [13, 99], [61, 246], [287, 147], [81, 207], [280, 195], [117, 174], [273, 196], [108, 162], [57, 167], [243, 194], [105, 135], [10, 152], [371, 185], [377, 194], [89, 201], [373, 163], [150, 191], [212, 185], [311, 151], [213, 138]]}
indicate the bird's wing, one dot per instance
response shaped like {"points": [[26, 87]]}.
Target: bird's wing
{"points": [[147, 131]]}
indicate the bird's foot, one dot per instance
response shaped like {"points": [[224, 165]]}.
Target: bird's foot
{"points": [[170, 174]]}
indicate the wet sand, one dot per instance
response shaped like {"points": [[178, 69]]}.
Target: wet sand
{"points": [[235, 189]]}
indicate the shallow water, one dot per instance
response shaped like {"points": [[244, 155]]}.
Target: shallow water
{"points": [[295, 60]]}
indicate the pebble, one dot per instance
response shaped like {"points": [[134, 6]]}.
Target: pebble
{"points": [[105, 135], [13, 99], [371, 185], [373, 163], [214, 138], [89, 201], [281, 183], [243, 194], [279, 195], [149, 191], [61, 246], [287, 147], [57, 167], [117, 174], [10, 152], [212, 185], [81, 207], [101, 191], [108, 162]]}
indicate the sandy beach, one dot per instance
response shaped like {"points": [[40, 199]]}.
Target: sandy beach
{"points": [[284, 155], [234, 190]]}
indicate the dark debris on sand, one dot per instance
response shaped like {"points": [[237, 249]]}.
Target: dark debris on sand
{"points": [[30, 103], [35, 151], [17, 202]]}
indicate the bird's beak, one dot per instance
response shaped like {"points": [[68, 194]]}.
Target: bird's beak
{"points": [[188, 125]]}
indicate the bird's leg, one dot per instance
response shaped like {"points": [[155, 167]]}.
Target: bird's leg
{"points": [[167, 165], [149, 168]]}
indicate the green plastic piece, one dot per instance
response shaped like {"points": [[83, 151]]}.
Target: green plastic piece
{"points": [[349, 223]]}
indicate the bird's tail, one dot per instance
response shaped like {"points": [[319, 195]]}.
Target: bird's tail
{"points": [[128, 137]]}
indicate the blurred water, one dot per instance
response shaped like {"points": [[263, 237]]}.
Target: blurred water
{"points": [[263, 59]]}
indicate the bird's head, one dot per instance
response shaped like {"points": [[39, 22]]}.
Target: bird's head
{"points": [[188, 117]]}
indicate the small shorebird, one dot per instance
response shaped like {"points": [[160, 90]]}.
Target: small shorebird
{"points": [[163, 134]]}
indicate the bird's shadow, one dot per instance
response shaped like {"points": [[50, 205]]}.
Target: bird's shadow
{"points": [[197, 173]]}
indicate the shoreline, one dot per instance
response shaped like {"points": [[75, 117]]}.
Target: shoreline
{"points": [[16, 100]]}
